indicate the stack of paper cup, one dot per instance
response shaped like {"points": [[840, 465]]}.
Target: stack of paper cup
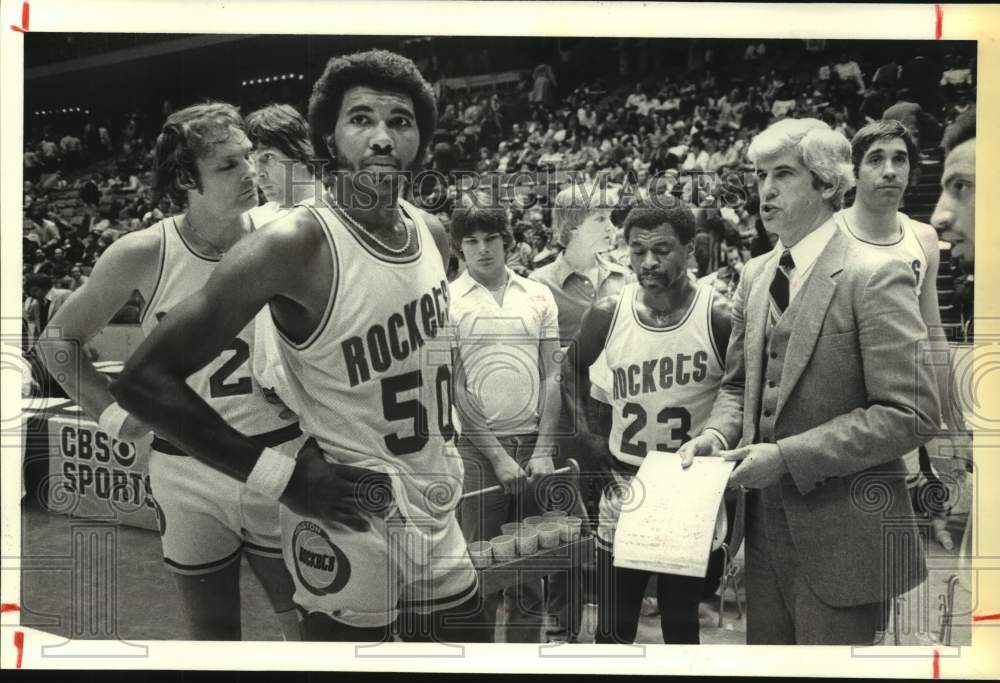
{"points": [[510, 528], [569, 528], [504, 547], [527, 540], [481, 553], [548, 534]]}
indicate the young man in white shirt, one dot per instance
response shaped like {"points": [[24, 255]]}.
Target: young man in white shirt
{"points": [[505, 346]]}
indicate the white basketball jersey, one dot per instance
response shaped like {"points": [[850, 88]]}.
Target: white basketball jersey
{"points": [[373, 382], [664, 380], [907, 248], [225, 383]]}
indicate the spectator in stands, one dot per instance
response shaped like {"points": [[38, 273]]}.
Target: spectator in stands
{"points": [[544, 86], [847, 70], [956, 72], [36, 220], [784, 103], [89, 192], [552, 157], [697, 157], [32, 164], [72, 151], [924, 128], [50, 154], [43, 301]]}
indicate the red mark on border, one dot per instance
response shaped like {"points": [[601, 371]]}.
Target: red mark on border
{"points": [[938, 20], [936, 671], [25, 14], [985, 617], [19, 644], [9, 607]]}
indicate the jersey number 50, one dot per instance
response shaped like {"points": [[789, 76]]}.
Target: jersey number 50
{"points": [[413, 410]]}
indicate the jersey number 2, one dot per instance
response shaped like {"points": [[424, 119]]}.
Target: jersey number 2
{"points": [[394, 409], [218, 387], [678, 434]]}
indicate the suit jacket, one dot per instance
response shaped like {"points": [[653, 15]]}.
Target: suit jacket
{"points": [[853, 399]]}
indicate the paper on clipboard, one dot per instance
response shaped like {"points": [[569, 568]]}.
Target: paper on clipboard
{"points": [[670, 526]]}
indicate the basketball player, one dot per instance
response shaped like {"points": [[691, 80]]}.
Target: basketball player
{"points": [[207, 519], [356, 284], [283, 157], [883, 153], [663, 338]]}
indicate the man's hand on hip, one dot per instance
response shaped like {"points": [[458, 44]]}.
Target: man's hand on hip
{"points": [[340, 495]]}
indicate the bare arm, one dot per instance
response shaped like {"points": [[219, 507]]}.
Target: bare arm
{"points": [[583, 351], [153, 385], [441, 238], [727, 411], [131, 263], [548, 360]]}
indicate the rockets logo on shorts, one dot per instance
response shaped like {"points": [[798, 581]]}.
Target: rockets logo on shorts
{"points": [[321, 567]]}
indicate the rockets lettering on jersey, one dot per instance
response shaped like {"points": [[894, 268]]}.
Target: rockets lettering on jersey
{"points": [[660, 373], [403, 333]]}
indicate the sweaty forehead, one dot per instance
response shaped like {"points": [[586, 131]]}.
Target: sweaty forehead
{"points": [[365, 96]]}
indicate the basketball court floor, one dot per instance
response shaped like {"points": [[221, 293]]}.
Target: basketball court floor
{"points": [[142, 603]]}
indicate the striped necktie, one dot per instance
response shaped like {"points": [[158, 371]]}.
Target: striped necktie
{"points": [[779, 285]]}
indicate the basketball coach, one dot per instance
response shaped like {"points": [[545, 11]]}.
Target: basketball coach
{"points": [[824, 392]]}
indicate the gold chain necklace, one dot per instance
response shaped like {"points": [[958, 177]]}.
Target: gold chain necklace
{"points": [[392, 250]]}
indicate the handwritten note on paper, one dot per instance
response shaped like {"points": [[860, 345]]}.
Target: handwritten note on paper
{"points": [[669, 520]]}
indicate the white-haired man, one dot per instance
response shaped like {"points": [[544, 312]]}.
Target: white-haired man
{"points": [[822, 396]]}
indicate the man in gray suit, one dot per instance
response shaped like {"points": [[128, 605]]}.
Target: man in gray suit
{"points": [[823, 394]]}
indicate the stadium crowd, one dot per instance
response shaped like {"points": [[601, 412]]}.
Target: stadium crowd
{"points": [[86, 184]]}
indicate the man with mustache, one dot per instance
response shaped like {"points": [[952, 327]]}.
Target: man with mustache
{"points": [[955, 213], [663, 339], [884, 155], [207, 519], [823, 395], [355, 281]]}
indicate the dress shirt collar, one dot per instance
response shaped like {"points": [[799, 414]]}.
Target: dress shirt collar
{"points": [[807, 250], [465, 283], [605, 267]]}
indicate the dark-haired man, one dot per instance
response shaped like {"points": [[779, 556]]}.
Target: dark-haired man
{"points": [[355, 282], [207, 519], [884, 155], [663, 338], [955, 213], [505, 337], [282, 155]]}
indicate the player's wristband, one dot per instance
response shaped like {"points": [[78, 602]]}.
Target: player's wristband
{"points": [[271, 474], [112, 420]]}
